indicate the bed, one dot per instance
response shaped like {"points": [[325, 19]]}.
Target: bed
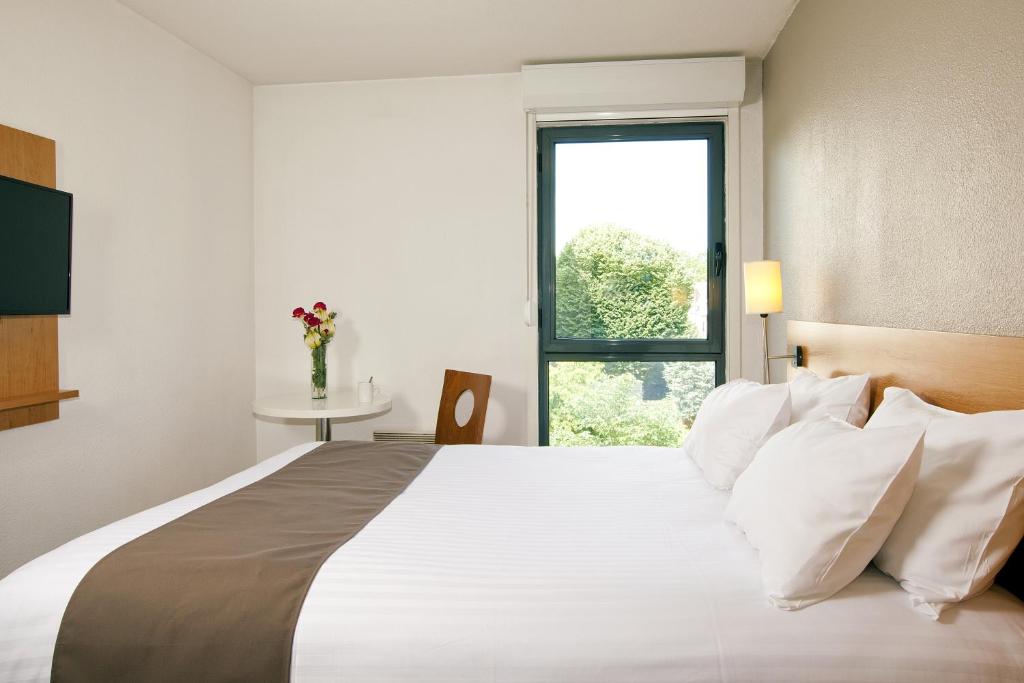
{"points": [[516, 564]]}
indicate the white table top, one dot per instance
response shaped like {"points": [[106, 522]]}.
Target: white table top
{"points": [[339, 403]]}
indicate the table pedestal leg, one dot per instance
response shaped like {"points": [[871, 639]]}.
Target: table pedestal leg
{"points": [[323, 429]]}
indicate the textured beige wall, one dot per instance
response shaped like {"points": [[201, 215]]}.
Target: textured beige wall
{"points": [[894, 161]]}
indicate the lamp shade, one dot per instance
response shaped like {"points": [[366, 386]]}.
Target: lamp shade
{"points": [[762, 286]]}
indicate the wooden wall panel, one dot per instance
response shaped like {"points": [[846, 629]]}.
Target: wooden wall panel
{"points": [[28, 344], [28, 157], [969, 373]]}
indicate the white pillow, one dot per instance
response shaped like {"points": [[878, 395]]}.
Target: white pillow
{"points": [[845, 397], [818, 502], [967, 514], [732, 423]]}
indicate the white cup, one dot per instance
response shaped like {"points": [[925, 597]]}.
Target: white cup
{"points": [[366, 392]]}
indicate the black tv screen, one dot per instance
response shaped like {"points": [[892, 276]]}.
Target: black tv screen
{"points": [[35, 249]]}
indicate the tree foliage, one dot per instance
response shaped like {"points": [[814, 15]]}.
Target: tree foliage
{"points": [[688, 385], [589, 407], [613, 283]]}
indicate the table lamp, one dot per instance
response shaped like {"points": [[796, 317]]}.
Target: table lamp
{"points": [[762, 288]]}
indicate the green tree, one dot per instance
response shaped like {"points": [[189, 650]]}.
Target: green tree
{"points": [[688, 385], [589, 407], [614, 283]]}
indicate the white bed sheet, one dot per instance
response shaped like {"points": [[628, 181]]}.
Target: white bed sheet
{"points": [[529, 565]]}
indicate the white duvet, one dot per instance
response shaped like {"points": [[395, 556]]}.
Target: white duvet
{"points": [[530, 565]]}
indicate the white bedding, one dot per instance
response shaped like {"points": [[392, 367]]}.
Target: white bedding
{"points": [[507, 564]]}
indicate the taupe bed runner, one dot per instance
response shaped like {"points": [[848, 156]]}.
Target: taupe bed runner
{"points": [[215, 594]]}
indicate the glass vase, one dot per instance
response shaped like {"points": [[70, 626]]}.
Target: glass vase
{"points": [[318, 377]]}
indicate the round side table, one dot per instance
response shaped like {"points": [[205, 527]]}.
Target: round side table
{"points": [[339, 403]]}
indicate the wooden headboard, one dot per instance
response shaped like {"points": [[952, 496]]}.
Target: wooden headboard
{"points": [[969, 373]]}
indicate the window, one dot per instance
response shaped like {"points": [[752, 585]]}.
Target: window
{"points": [[632, 277]]}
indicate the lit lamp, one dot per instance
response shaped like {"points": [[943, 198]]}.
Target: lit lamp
{"points": [[762, 288]]}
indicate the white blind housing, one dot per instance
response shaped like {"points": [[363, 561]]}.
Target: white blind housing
{"points": [[638, 85]]}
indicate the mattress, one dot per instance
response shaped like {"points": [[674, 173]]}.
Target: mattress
{"points": [[529, 565]]}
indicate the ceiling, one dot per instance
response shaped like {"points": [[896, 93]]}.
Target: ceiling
{"points": [[301, 41]]}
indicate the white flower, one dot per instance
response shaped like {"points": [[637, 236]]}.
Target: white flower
{"points": [[312, 339]]}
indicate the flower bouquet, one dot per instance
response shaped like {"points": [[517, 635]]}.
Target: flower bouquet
{"points": [[318, 331]]}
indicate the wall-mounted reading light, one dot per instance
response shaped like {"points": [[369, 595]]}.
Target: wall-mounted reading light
{"points": [[762, 288]]}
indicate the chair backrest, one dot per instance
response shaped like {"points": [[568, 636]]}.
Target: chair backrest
{"points": [[457, 383]]}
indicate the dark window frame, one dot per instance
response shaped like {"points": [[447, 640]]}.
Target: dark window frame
{"points": [[552, 349]]}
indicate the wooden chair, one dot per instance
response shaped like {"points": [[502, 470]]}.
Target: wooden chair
{"points": [[456, 383]]}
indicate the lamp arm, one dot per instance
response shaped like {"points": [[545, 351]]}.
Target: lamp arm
{"points": [[797, 356]]}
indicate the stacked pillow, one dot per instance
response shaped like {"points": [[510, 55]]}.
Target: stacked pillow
{"points": [[934, 496], [819, 500], [737, 418], [734, 421], [846, 398], [966, 515]]}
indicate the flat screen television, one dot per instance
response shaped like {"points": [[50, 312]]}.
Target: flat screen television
{"points": [[35, 249]]}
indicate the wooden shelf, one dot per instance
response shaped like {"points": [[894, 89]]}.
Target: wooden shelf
{"points": [[29, 377], [37, 399]]}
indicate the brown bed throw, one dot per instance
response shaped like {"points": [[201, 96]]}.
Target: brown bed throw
{"points": [[215, 594]]}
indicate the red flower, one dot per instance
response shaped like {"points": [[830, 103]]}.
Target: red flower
{"points": [[298, 312], [319, 306], [311, 320]]}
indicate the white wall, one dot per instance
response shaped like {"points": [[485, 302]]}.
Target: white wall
{"points": [[751, 212], [154, 140], [402, 203], [894, 155]]}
